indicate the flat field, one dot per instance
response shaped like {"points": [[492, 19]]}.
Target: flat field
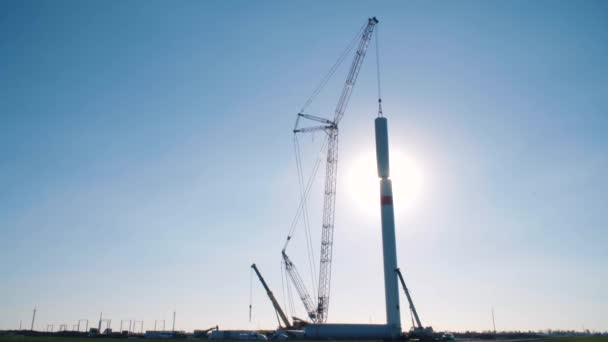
{"points": [[18, 338], [7, 338], [576, 339]]}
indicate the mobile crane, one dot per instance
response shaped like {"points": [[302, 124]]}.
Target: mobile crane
{"points": [[418, 331], [277, 308]]}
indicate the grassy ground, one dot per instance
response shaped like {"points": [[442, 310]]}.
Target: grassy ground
{"points": [[578, 339], [58, 339], [84, 339]]}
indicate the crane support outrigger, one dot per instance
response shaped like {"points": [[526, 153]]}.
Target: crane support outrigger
{"points": [[330, 127]]}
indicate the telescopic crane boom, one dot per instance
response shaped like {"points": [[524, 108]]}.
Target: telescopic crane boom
{"points": [[276, 305], [409, 299], [330, 127]]}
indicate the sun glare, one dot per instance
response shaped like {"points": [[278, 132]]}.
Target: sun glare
{"points": [[364, 185]]}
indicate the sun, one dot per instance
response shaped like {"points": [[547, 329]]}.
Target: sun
{"points": [[363, 183]]}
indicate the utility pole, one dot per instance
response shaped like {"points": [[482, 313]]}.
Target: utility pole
{"points": [[87, 325], [33, 319], [493, 321], [159, 320], [141, 326], [174, 320]]}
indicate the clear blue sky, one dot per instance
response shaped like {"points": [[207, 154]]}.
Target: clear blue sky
{"points": [[146, 159]]}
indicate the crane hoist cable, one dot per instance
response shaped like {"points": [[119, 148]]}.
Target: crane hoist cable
{"points": [[292, 306], [309, 248], [309, 184], [316, 92], [250, 292], [302, 210], [412, 318], [378, 73], [332, 70], [287, 296], [283, 287]]}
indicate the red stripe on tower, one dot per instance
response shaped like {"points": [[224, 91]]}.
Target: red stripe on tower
{"points": [[386, 200]]}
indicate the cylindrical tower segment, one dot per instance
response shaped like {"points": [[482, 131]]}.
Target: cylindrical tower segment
{"points": [[382, 147], [389, 245]]}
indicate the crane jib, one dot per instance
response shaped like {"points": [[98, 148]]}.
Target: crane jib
{"points": [[331, 169]]}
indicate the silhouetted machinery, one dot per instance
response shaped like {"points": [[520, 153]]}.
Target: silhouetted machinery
{"points": [[281, 316], [418, 331], [204, 333]]}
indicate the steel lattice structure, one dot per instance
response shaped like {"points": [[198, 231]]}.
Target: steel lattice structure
{"points": [[329, 202]]}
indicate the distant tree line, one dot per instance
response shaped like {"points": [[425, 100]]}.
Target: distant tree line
{"points": [[500, 335]]}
